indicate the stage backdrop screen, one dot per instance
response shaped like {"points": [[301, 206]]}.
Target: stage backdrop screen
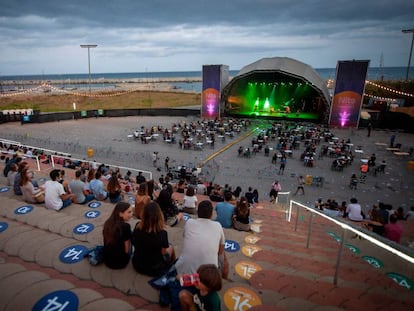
{"points": [[214, 79], [348, 93]]}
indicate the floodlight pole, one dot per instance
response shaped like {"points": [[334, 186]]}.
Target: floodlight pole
{"points": [[411, 50], [89, 46]]}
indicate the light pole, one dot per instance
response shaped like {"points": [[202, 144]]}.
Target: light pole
{"points": [[89, 46], [411, 50]]}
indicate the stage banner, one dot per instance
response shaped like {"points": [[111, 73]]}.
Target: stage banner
{"points": [[214, 79], [348, 93]]}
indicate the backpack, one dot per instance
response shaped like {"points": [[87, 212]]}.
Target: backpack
{"points": [[95, 255]]}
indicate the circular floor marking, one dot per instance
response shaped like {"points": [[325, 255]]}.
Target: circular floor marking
{"points": [[241, 299], [247, 268], [252, 239], [249, 250], [58, 300]]}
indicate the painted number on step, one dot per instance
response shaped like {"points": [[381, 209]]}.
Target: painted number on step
{"points": [[73, 254], [83, 228], [241, 299], [62, 300], [231, 246], [92, 214], [23, 209]]}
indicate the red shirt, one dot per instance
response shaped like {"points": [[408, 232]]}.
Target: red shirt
{"points": [[393, 232]]}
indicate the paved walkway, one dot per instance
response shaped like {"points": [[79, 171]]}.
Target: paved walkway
{"points": [[270, 269]]}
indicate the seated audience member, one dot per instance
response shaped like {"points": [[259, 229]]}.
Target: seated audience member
{"points": [[249, 195], [30, 193], [225, 211], [64, 182], [153, 255], [140, 178], [400, 213], [78, 188], [171, 213], [354, 210], [203, 242], [190, 201], [141, 199], [201, 188], [384, 213], [16, 183], [55, 196], [393, 230], [204, 295], [255, 196], [181, 186], [15, 159], [117, 237], [410, 214], [11, 175], [114, 189], [97, 187], [375, 221], [241, 217]]}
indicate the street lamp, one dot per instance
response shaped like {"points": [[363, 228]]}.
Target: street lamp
{"points": [[411, 50], [89, 46]]}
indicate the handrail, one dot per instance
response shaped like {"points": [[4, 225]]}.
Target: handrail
{"points": [[399, 250], [98, 163]]}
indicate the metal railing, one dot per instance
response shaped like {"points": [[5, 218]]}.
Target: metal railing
{"points": [[392, 247]]}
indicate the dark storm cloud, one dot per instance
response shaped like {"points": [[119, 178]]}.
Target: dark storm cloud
{"points": [[184, 34]]}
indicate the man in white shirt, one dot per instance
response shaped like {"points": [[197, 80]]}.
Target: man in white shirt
{"points": [[55, 196], [203, 242], [354, 210]]}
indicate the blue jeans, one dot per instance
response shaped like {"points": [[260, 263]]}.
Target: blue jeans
{"points": [[88, 198], [66, 203]]}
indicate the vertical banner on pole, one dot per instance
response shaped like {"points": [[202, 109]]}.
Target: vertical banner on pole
{"points": [[348, 93], [215, 77]]}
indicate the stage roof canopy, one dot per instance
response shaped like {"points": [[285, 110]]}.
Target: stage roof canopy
{"points": [[280, 69]]}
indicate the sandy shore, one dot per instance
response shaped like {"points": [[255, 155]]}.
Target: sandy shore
{"points": [[108, 137]]}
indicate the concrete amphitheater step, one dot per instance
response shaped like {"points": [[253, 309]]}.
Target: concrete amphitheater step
{"points": [[22, 289]]}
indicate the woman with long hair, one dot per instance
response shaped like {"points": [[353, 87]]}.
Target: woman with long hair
{"points": [[117, 237], [241, 217], [153, 255], [114, 189], [142, 198], [30, 193]]}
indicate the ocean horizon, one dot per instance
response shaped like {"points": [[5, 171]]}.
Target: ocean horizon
{"points": [[374, 73]]}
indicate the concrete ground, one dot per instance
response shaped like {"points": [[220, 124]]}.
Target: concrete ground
{"points": [[270, 269]]}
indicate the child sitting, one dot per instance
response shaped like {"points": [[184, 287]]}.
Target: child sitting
{"points": [[203, 295]]}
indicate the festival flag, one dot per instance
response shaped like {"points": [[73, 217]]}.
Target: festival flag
{"points": [[348, 93]]}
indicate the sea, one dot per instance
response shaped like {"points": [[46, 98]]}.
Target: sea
{"points": [[22, 81]]}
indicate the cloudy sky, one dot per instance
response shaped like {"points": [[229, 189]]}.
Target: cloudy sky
{"points": [[43, 36]]}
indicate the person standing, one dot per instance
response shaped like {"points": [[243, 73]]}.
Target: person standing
{"points": [[276, 187], [301, 183], [282, 165], [369, 129], [166, 163], [392, 140]]}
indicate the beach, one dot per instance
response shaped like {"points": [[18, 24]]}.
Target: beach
{"points": [[110, 139]]}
